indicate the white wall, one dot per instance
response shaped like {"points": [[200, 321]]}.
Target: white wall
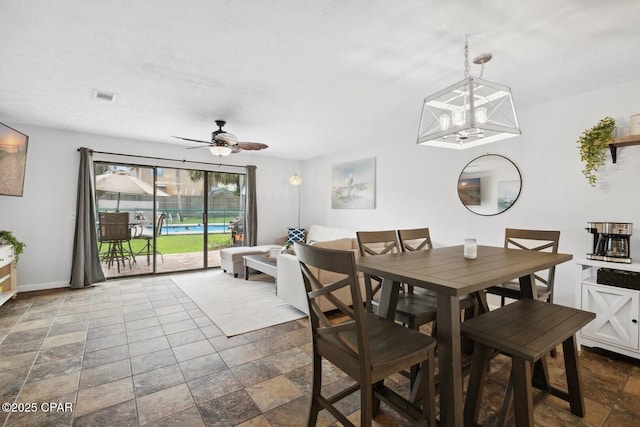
{"points": [[416, 186], [42, 218]]}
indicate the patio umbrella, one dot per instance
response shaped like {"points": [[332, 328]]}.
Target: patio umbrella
{"points": [[122, 183]]}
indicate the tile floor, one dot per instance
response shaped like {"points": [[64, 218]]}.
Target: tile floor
{"points": [[139, 352]]}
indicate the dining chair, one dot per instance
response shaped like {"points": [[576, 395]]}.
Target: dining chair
{"points": [[366, 347], [142, 233], [412, 309], [114, 230], [415, 239], [532, 240]]}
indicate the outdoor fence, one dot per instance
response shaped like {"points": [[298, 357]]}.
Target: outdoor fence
{"points": [[178, 209]]}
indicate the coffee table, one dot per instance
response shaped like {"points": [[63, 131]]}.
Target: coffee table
{"points": [[261, 264]]}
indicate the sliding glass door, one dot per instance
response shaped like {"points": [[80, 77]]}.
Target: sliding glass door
{"points": [[225, 207], [179, 219], [183, 234]]}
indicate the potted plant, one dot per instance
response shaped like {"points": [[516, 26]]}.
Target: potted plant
{"points": [[593, 146], [7, 238]]}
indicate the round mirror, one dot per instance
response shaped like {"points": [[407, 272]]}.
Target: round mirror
{"points": [[489, 184]]}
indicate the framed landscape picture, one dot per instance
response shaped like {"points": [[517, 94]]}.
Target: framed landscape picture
{"points": [[469, 191], [13, 160], [353, 184]]}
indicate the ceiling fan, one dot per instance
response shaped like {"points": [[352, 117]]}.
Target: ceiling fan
{"points": [[224, 143]]}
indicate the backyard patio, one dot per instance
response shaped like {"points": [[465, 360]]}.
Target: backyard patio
{"points": [[172, 263]]}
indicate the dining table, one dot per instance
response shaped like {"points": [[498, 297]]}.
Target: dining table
{"points": [[450, 275]]}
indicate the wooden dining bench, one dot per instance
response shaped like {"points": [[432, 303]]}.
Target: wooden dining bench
{"points": [[526, 330]]}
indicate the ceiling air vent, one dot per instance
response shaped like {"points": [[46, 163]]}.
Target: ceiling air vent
{"points": [[104, 96]]}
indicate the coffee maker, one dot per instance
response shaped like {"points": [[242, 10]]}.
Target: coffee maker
{"points": [[610, 241]]}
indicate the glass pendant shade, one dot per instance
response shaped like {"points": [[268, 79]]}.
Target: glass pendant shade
{"points": [[469, 113], [220, 150]]}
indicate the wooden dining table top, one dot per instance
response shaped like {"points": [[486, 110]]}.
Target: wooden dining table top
{"points": [[445, 270]]}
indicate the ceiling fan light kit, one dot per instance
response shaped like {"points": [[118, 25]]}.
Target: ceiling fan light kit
{"points": [[469, 113], [220, 150]]}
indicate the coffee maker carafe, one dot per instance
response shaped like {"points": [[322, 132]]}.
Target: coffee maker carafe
{"points": [[610, 241]]}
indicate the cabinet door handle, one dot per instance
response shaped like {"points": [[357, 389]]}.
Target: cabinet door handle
{"points": [[634, 321]]}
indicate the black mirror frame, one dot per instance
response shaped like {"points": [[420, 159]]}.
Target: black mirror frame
{"points": [[514, 200]]}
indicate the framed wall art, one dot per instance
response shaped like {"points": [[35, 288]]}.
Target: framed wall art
{"points": [[508, 192], [13, 161], [353, 184], [469, 191]]}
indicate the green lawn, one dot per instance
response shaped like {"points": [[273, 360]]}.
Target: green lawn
{"points": [[183, 243]]}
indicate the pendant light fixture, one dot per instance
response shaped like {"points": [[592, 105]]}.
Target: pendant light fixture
{"points": [[469, 113]]}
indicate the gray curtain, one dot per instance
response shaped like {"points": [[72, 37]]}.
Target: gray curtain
{"points": [[251, 210], [85, 268]]}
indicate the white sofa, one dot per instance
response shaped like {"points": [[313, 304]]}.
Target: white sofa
{"points": [[290, 286]]}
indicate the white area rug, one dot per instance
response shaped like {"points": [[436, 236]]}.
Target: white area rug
{"points": [[236, 305]]}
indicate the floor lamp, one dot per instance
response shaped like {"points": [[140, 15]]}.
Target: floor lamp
{"points": [[296, 180]]}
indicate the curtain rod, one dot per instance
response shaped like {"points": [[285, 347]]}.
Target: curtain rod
{"points": [[164, 158]]}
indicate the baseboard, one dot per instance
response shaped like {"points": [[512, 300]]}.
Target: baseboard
{"points": [[42, 286]]}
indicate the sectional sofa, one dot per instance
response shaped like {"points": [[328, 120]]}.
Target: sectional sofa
{"points": [[290, 286]]}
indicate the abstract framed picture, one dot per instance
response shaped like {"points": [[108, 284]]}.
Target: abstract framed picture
{"points": [[13, 161], [353, 184]]}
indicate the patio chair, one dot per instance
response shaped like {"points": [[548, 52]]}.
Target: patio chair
{"points": [[114, 230], [144, 234]]}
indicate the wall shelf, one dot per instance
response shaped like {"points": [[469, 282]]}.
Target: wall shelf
{"points": [[623, 141]]}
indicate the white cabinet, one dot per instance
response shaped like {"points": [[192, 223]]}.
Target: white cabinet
{"points": [[617, 309], [7, 273], [617, 315]]}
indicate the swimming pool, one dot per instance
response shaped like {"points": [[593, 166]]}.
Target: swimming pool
{"points": [[194, 229]]}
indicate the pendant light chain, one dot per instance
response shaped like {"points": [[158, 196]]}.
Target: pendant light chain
{"points": [[466, 58], [467, 72]]}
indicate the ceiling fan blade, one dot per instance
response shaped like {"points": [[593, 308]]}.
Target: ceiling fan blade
{"points": [[252, 146], [199, 146], [191, 140]]}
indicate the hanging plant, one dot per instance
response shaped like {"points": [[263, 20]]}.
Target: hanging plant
{"points": [[7, 238], [593, 147]]}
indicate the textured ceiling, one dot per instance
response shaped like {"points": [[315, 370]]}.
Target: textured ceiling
{"points": [[307, 77]]}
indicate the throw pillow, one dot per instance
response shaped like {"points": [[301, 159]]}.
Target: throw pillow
{"points": [[295, 235]]}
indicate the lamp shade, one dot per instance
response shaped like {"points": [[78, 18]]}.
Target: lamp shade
{"points": [[295, 179], [469, 113], [220, 150]]}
